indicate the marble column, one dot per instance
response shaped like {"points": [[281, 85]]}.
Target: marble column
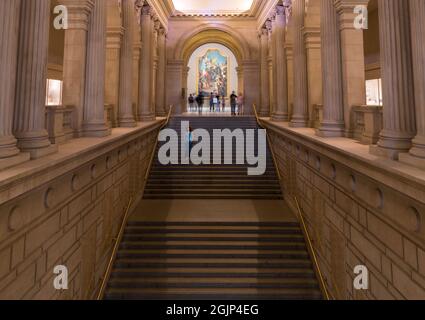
{"points": [[239, 72], [313, 56], [94, 106], [264, 109], [289, 67], [397, 79], [126, 118], [333, 106], [137, 50], [154, 64], [417, 18], [9, 24], [161, 108], [281, 87], [353, 63], [114, 36], [29, 125], [74, 61], [271, 64], [300, 110], [145, 75]]}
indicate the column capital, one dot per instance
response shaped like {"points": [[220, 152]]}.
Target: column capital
{"points": [[345, 10], [78, 13], [146, 10], [114, 37]]}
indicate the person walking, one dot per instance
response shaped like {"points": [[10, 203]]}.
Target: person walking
{"points": [[233, 103], [217, 102], [223, 103], [200, 102], [212, 102], [191, 103], [240, 104]]}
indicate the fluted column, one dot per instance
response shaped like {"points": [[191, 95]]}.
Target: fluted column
{"points": [[9, 24], [145, 74], [265, 90], [271, 64], [154, 63], [126, 118], [74, 61], [417, 18], [29, 118], [333, 113], [300, 111], [353, 63], [114, 37], [281, 111], [397, 79], [137, 50], [160, 78], [94, 108]]}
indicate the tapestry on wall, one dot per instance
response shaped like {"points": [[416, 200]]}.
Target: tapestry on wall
{"points": [[212, 73]]}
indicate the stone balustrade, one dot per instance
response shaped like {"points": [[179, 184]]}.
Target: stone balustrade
{"points": [[66, 208], [317, 115], [59, 123], [370, 213], [368, 123]]}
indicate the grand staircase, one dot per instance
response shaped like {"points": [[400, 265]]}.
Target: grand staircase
{"points": [[212, 181], [212, 260]]}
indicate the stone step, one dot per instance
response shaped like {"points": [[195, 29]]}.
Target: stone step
{"points": [[211, 294]]}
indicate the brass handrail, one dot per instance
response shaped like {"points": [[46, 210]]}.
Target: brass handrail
{"points": [[270, 144], [125, 220], [155, 146], [301, 218], [312, 251], [114, 252]]}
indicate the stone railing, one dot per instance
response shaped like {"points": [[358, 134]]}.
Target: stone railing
{"points": [[368, 123], [66, 208], [317, 115], [59, 123], [359, 210], [109, 115]]}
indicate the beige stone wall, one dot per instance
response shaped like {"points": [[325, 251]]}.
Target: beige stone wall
{"points": [[65, 209], [360, 210]]}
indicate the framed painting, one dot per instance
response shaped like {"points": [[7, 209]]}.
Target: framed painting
{"points": [[213, 73]]}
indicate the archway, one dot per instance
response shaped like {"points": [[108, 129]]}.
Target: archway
{"points": [[213, 69], [206, 34]]}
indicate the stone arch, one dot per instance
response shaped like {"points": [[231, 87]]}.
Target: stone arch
{"points": [[208, 33]]}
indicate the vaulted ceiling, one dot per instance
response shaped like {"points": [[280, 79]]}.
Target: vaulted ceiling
{"points": [[213, 6]]}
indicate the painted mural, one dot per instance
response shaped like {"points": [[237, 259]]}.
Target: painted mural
{"points": [[213, 73]]}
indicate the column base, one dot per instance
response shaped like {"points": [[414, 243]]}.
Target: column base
{"points": [[14, 161], [333, 129], [391, 144], [42, 152], [127, 123], [298, 123], [147, 118], [96, 130], [409, 159], [279, 117], [384, 152]]}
